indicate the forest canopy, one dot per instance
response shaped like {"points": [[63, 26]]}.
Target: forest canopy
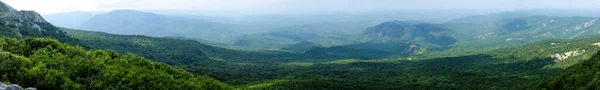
{"points": [[46, 63]]}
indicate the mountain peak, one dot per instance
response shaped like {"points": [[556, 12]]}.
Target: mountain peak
{"points": [[6, 8], [12, 14], [27, 24]]}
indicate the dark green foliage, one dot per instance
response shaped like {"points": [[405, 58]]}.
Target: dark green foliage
{"points": [[402, 49], [322, 69], [582, 76], [227, 65], [468, 72], [296, 37], [339, 51], [301, 46], [48, 64], [171, 51], [516, 25]]}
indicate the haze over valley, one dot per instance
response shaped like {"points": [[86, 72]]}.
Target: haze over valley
{"points": [[299, 44]]}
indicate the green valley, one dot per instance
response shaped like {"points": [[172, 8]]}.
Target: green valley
{"points": [[143, 45]]}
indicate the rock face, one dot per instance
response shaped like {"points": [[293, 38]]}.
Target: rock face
{"points": [[414, 49], [566, 55], [6, 8], [13, 87], [15, 23], [24, 16]]}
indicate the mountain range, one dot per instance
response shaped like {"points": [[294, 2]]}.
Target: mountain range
{"points": [[510, 50]]}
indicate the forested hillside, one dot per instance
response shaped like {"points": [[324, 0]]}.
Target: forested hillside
{"points": [[233, 66], [45, 63], [133, 50], [32, 55], [356, 65], [580, 76]]}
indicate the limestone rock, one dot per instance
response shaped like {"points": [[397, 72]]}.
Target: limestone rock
{"points": [[6, 8], [13, 87]]}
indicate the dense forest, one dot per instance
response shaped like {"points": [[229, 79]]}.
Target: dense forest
{"points": [[497, 51], [498, 69], [46, 63], [584, 75]]}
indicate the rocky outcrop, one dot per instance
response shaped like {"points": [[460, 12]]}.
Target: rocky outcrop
{"points": [[23, 16], [596, 44], [414, 49], [6, 8], [566, 55], [590, 23], [24, 23], [13, 87]]}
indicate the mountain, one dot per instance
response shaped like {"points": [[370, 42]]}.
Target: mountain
{"points": [[507, 51], [6, 8], [22, 24], [142, 23], [580, 76], [70, 19], [329, 29], [32, 54], [411, 32], [527, 29], [489, 17], [326, 34]]}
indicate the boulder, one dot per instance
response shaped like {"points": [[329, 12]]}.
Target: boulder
{"points": [[13, 87]]}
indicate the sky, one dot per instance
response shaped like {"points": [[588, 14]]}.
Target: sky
{"points": [[56, 6]]}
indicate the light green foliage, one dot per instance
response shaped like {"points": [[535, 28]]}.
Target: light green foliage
{"points": [[48, 64]]}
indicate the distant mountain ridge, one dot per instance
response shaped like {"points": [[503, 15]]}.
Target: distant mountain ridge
{"points": [[35, 53], [410, 31], [71, 19], [143, 23]]}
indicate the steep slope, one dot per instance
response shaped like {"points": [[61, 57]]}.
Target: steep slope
{"points": [[142, 23], [6, 8], [21, 24]]}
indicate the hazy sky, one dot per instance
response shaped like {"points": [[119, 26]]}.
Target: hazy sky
{"points": [[54, 6]]}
